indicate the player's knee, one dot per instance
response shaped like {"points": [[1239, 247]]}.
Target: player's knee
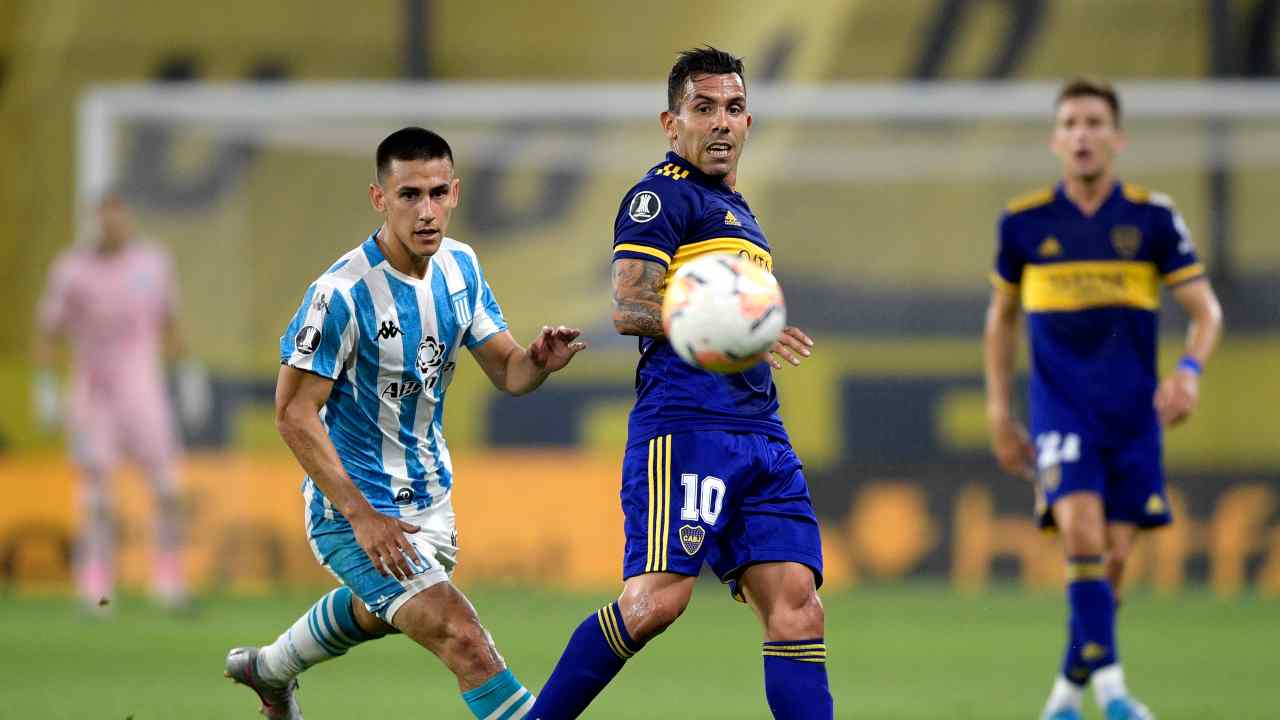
{"points": [[798, 618], [473, 651], [648, 613]]}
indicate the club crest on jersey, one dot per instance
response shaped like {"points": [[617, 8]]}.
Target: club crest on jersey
{"points": [[645, 206], [1126, 239], [461, 307], [307, 339], [430, 355], [395, 390], [691, 537], [1050, 247]]}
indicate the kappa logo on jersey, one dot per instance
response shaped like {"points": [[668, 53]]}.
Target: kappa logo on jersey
{"points": [[461, 307], [404, 496], [398, 390], [1126, 239], [731, 219], [645, 206], [307, 339], [430, 354], [321, 303], [691, 537], [388, 330]]}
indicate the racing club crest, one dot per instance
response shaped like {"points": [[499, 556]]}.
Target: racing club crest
{"points": [[1126, 239], [430, 353], [691, 537]]}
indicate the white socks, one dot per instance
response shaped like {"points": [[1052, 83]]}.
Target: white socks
{"points": [[1108, 684], [1065, 694]]}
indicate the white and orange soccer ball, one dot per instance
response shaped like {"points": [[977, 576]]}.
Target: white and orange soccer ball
{"points": [[721, 311]]}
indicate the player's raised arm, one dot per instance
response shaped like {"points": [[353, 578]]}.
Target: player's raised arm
{"points": [[299, 397], [1179, 393], [637, 296], [518, 370], [1009, 438]]}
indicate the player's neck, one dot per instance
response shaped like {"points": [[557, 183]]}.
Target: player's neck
{"points": [[1088, 194], [402, 260]]}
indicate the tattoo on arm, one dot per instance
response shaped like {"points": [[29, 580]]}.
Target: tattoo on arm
{"points": [[637, 296]]}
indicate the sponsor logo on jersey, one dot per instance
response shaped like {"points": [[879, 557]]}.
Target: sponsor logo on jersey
{"points": [[396, 390], [388, 330], [1050, 247], [307, 339], [731, 219], [645, 206], [691, 537], [404, 496], [430, 355], [1126, 239]]}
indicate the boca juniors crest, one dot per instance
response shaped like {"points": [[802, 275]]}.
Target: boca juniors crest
{"points": [[1126, 239], [691, 537]]}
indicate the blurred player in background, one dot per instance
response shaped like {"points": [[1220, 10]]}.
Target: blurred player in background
{"points": [[708, 474], [360, 401], [1085, 261], [114, 299]]}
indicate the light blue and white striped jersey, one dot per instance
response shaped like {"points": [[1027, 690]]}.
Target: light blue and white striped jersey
{"points": [[388, 340]]}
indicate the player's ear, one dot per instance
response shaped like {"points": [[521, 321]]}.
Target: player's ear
{"points": [[668, 121], [455, 191], [377, 198]]}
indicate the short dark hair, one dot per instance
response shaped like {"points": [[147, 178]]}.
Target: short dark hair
{"points": [[411, 143], [699, 61], [1090, 87]]}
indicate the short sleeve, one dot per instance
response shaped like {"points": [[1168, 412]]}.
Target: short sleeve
{"points": [[322, 335], [1173, 250], [55, 303], [486, 316], [651, 221], [1010, 260]]}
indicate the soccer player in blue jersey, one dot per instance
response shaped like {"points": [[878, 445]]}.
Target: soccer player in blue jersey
{"points": [[708, 474], [360, 400], [1085, 261]]}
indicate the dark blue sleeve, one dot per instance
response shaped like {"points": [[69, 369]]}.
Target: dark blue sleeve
{"points": [[1173, 250], [652, 220], [1009, 257]]}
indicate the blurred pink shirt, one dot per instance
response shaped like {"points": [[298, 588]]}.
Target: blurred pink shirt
{"points": [[114, 310]]}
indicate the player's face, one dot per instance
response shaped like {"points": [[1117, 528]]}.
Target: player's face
{"points": [[415, 199], [711, 125], [1085, 137], [115, 223]]}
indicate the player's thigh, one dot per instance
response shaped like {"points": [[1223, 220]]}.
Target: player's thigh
{"points": [[1082, 521], [1068, 463], [1135, 489], [93, 438], [651, 602], [334, 544], [678, 492], [773, 521]]}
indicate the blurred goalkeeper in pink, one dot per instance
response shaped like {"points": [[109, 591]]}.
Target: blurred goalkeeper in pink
{"points": [[114, 300]]}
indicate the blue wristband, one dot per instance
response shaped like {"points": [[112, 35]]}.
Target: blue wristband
{"points": [[1189, 363]]}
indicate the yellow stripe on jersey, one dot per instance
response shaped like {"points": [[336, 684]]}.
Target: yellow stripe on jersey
{"points": [[1136, 194], [1184, 274], [736, 246], [1001, 284], [1067, 286], [1030, 200], [644, 250]]}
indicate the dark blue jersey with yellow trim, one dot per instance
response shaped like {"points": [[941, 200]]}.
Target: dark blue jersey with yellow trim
{"points": [[1090, 287], [675, 214]]}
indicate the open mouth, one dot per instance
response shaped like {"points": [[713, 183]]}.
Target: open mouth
{"points": [[1083, 154], [426, 234], [720, 149]]}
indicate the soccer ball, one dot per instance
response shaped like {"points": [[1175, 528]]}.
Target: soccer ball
{"points": [[721, 311]]}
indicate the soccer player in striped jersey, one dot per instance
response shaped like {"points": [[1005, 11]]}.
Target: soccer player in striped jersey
{"points": [[1085, 261], [360, 397], [708, 475]]}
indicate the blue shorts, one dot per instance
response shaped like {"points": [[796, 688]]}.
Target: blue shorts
{"points": [[333, 542], [731, 499], [1128, 474]]}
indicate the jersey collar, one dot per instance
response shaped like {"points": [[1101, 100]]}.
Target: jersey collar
{"points": [[1060, 197], [697, 175]]}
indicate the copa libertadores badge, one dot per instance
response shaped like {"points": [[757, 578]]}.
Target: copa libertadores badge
{"points": [[307, 339], [645, 206]]}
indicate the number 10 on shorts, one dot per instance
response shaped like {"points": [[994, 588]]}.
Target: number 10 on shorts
{"points": [[704, 504]]}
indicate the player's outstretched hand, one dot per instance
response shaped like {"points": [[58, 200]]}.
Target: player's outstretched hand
{"points": [[1013, 448], [383, 539], [793, 347], [555, 347], [1177, 397]]}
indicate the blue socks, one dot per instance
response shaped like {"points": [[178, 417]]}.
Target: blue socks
{"points": [[795, 680], [597, 650], [1091, 633], [502, 697]]}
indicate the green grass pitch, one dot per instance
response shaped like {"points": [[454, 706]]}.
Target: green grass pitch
{"points": [[909, 652]]}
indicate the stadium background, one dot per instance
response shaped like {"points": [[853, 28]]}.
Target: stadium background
{"points": [[885, 266]]}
